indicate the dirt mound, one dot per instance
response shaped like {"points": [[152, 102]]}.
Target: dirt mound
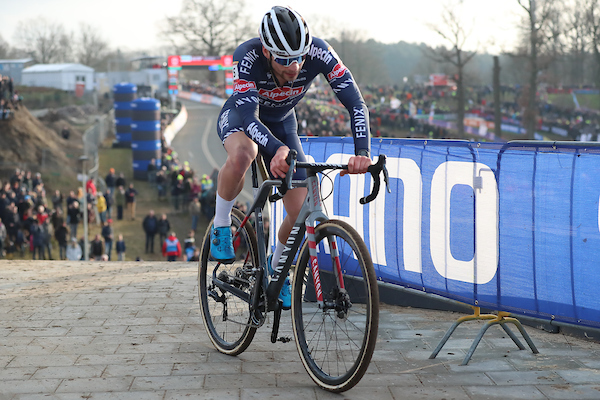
{"points": [[77, 115], [26, 142]]}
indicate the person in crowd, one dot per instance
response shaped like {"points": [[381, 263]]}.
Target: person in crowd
{"points": [[195, 211], [47, 238], [150, 225], [91, 206], [96, 248], [37, 180], [69, 201], [61, 234], [56, 218], [74, 252], [109, 200], [120, 181], [110, 180], [161, 182], [12, 221], [42, 215], [189, 244], [186, 194], [107, 235], [120, 201], [171, 247], [177, 192], [21, 242], [152, 168], [82, 245], [196, 255], [3, 236], [57, 200], [130, 195], [74, 214], [90, 187], [120, 248], [36, 240], [101, 207], [164, 227]]}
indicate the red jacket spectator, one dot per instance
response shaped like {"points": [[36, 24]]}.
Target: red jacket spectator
{"points": [[171, 247], [90, 185]]}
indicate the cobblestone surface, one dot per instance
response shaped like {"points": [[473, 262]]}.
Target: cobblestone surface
{"points": [[134, 331]]}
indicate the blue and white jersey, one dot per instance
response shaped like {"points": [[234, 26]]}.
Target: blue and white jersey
{"points": [[257, 100]]}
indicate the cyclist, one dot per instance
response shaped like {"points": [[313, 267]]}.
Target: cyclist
{"points": [[271, 75]]}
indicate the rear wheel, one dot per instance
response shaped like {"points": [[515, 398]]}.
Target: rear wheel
{"points": [[336, 338], [226, 316]]}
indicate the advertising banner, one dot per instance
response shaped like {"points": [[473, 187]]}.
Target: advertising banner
{"points": [[507, 226]]}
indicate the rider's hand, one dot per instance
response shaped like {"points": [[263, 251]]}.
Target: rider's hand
{"points": [[279, 166], [357, 165]]}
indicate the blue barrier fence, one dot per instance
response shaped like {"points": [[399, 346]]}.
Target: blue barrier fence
{"points": [[511, 227]]}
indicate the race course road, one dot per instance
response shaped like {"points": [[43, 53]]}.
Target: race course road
{"points": [[198, 142]]}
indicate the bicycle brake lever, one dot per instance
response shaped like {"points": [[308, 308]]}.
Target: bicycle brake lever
{"points": [[287, 181], [386, 179], [375, 170]]}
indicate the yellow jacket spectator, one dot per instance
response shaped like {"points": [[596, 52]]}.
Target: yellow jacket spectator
{"points": [[101, 206]]}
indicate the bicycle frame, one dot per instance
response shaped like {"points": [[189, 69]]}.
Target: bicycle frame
{"points": [[310, 214]]}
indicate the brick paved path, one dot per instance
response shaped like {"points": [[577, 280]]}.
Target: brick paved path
{"points": [[133, 331]]}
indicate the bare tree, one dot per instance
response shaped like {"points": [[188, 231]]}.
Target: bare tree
{"points": [[45, 41], [452, 30], [592, 23], [577, 40], [4, 48], [209, 27], [91, 47], [555, 56], [539, 12]]}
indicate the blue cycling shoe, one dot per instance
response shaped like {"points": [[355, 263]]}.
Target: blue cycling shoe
{"points": [[285, 295], [221, 244]]}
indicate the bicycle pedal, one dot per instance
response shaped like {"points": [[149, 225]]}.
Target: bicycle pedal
{"points": [[284, 339]]}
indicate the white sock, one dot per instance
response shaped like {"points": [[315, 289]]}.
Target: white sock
{"points": [[277, 253], [223, 212]]}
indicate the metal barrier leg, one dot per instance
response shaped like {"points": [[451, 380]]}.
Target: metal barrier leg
{"points": [[502, 318], [524, 333], [512, 335], [476, 342], [476, 316], [449, 332]]}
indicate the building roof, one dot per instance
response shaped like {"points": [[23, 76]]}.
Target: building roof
{"points": [[16, 61], [58, 68]]}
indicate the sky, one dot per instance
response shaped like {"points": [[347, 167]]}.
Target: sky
{"points": [[135, 24]]}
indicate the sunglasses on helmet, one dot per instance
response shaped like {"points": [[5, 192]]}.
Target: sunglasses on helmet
{"points": [[286, 62]]}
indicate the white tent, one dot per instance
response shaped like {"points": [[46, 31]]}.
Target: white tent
{"points": [[59, 76]]}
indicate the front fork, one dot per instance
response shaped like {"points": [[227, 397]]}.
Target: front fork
{"points": [[340, 294]]}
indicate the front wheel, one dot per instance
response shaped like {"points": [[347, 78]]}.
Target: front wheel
{"points": [[336, 335], [226, 316]]}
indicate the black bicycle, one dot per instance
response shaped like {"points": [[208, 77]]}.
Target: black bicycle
{"points": [[335, 298]]}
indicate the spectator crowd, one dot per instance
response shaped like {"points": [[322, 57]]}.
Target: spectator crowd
{"points": [[46, 227], [9, 97], [186, 192]]}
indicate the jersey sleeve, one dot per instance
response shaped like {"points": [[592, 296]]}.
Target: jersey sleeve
{"points": [[343, 85], [246, 73]]}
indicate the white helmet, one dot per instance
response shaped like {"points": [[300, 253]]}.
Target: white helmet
{"points": [[284, 33]]}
